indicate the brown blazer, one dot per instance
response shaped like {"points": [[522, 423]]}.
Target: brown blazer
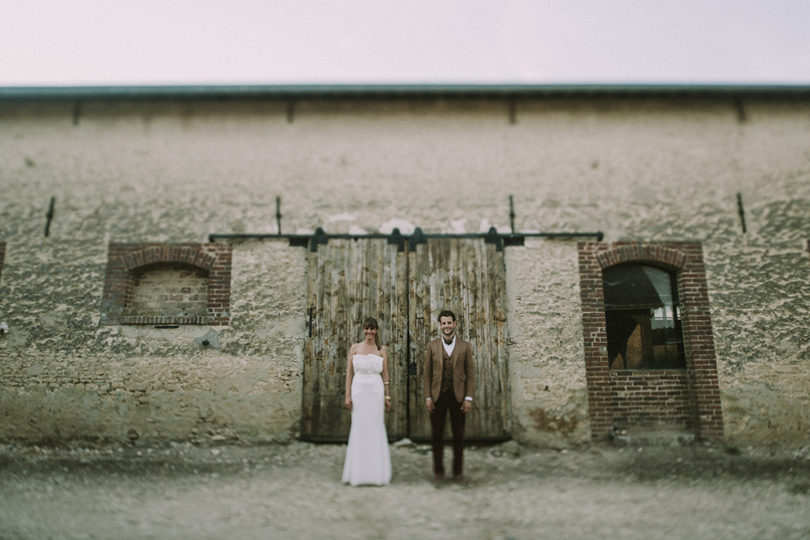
{"points": [[463, 370]]}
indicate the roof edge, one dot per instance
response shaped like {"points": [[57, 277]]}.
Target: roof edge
{"points": [[364, 91]]}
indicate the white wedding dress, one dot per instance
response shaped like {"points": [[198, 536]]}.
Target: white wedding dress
{"points": [[368, 460]]}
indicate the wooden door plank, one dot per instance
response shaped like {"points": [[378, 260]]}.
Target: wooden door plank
{"points": [[466, 276], [349, 280]]}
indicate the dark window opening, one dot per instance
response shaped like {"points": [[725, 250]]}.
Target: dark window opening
{"points": [[643, 318]]}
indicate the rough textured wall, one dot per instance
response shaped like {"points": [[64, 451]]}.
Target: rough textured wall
{"points": [[175, 172], [69, 378], [546, 357], [761, 305]]}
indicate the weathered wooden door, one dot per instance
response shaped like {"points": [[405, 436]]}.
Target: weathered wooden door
{"points": [[466, 276], [349, 280], [405, 291]]}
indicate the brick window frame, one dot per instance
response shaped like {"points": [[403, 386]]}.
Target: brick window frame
{"points": [[688, 397], [125, 260]]}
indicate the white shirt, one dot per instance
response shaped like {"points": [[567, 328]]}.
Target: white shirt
{"points": [[449, 347]]}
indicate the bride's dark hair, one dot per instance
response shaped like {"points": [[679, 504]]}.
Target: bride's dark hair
{"points": [[371, 322]]}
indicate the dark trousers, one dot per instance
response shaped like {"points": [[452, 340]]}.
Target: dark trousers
{"points": [[447, 402]]}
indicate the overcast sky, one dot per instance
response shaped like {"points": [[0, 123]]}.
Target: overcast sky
{"points": [[131, 42]]}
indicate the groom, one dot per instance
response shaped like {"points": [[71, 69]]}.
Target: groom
{"points": [[449, 380]]}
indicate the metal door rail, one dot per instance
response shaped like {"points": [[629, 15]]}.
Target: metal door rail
{"points": [[312, 241]]}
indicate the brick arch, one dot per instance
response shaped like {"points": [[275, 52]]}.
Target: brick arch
{"points": [[671, 259], [168, 254], [124, 259]]}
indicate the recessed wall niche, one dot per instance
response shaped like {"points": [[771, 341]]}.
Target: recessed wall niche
{"points": [[159, 284]]}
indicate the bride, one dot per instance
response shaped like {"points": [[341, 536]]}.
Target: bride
{"points": [[368, 461]]}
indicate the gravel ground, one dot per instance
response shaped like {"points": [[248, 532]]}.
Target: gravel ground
{"points": [[293, 491]]}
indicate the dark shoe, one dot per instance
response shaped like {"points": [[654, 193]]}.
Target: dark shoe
{"points": [[438, 479], [461, 480]]}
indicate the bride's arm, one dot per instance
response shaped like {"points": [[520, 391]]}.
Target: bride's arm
{"points": [[385, 378], [347, 402]]}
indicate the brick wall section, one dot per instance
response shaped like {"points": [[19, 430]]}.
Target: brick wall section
{"points": [[124, 259], [651, 398], [169, 288], [627, 396]]}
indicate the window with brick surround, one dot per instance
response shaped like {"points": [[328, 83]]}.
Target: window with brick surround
{"points": [[642, 318], [161, 284], [686, 398]]}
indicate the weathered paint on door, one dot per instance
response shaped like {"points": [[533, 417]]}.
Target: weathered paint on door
{"points": [[466, 276], [405, 291], [349, 280]]}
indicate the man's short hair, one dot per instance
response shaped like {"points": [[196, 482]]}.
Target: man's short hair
{"points": [[446, 313]]}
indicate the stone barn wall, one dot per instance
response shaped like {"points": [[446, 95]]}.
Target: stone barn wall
{"points": [[171, 171]]}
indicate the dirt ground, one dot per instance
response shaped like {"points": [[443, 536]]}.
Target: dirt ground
{"points": [[294, 491]]}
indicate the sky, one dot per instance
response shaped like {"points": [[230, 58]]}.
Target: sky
{"points": [[211, 42]]}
